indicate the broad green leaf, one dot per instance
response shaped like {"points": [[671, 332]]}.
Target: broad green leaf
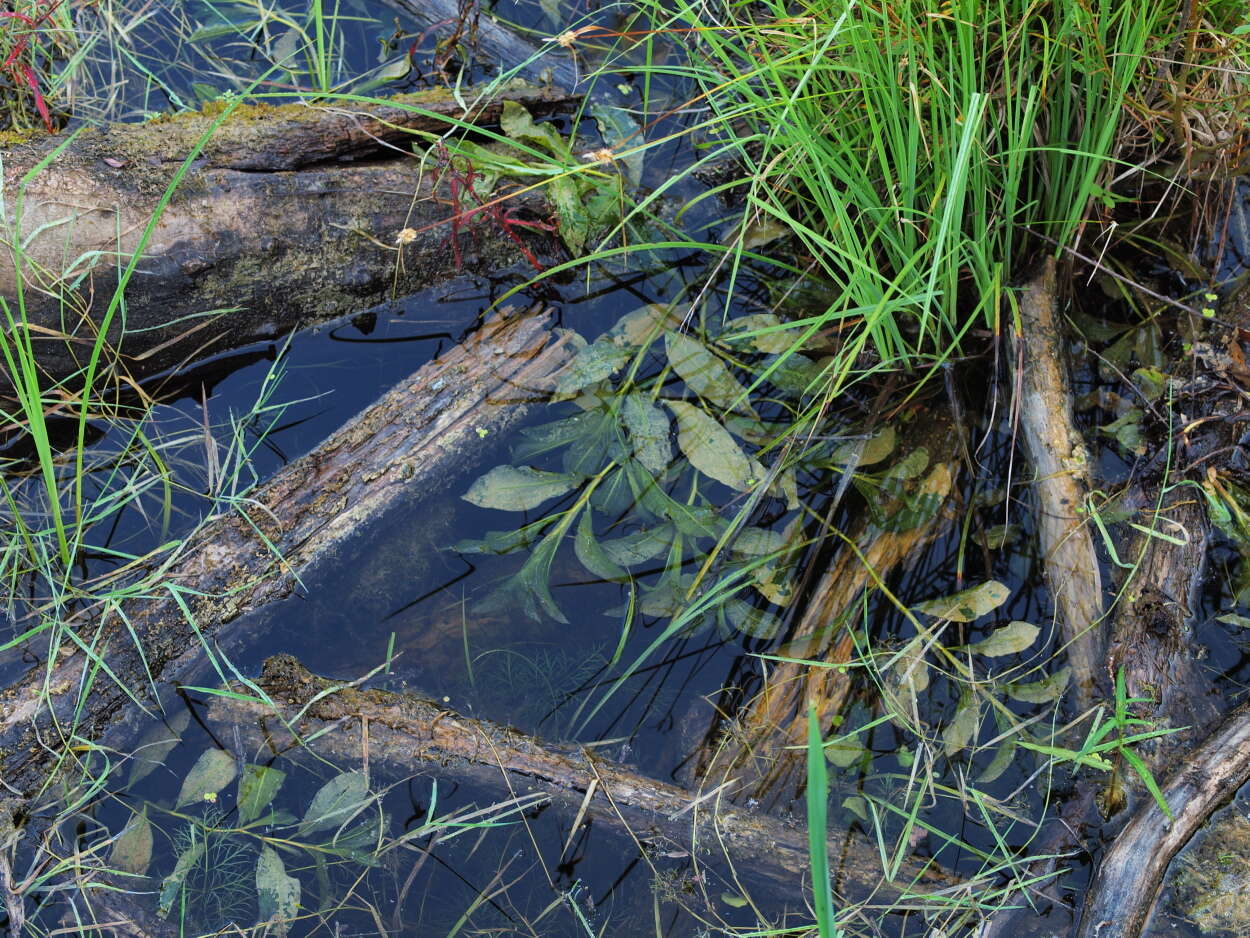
{"points": [[529, 588], [857, 806], [963, 725], [258, 784], [277, 894], [639, 546], [336, 802], [212, 772], [1231, 618], [1001, 762], [874, 449], [968, 604], [754, 541], [750, 621], [593, 364], [156, 744], [579, 429], [733, 900], [517, 123], [844, 752], [1127, 431], [648, 429], [759, 432], [644, 325], [769, 334], [621, 132], [498, 542], [1011, 639], [704, 373], [132, 850], [566, 196], [794, 374], [710, 448], [518, 488], [592, 555], [1043, 691], [171, 885]]}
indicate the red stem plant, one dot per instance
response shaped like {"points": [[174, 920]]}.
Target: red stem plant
{"points": [[21, 61]]}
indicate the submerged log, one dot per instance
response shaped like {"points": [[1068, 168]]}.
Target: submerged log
{"points": [[1126, 886], [402, 449], [765, 744], [1061, 464], [269, 229], [408, 734]]}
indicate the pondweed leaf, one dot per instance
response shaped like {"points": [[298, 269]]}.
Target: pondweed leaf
{"points": [[871, 451], [499, 542], [1044, 691], [132, 850], [592, 364], [566, 196], [156, 744], [212, 772], [258, 784], [968, 604], [579, 429], [620, 132], [277, 894], [963, 726], [529, 588], [1011, 639], [648, 430], [519, 488], [639, 546], [171, 885], [644, 325], [517, 123], [336, 802], [592, 555], [704, 373], [754, 541], [764, 332], [750, 621], [710, 448]]}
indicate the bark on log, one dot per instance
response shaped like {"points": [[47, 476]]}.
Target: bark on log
{"points": [[263, 225], [406, 732], [1124, 890], [403, 448], [765, 744], [1062, 467]]}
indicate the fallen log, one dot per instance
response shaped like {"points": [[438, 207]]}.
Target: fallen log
{"points": [[1061, 465], [268, 230], [402, 449], [1124, 890], [765, 744], [406, 733]]}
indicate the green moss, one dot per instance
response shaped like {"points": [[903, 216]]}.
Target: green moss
{"points": [[1210, 882]]}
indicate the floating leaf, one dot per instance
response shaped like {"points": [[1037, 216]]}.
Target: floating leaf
{"points": [[518, 488], [750, 621], [277, 894], [621, 132], [648, 429], [212, 772], [968, 604], [764, 332], [844, 752], [644, 325], [580, 429], [132, 850], [794, 373], [857, 806], [871, 451], [710, 448], [1011, 639], [1001, 762], [592, 555], [336, 802], [257, 786], [759, 432], [594, 363], [963, 726], [1043, 691], [704, 373], [517, 123], [755, 541], [172, 884], [570, 207], [156, 744]]}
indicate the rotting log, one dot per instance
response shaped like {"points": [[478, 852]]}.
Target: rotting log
{"points": [[402, 449], [765, 744], [409, 734], [1061, 466], [1130, 874], [272, 223]]}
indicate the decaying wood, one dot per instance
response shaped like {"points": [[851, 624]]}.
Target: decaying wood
{"points": [[409, 734], [1123, 892], [402, 449], [765, 744], [269, 224], [1061, 465]]}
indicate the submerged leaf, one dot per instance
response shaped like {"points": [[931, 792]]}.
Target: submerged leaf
{"points": [[968, 604], [754, 541], [1044, 691], [648, 429], [518, 488], [750, 621], [704, 373], [640, 546], [710, 448], [1009, 640], [593, 364], [570, 208], [517, 123], [621, 132], [871, 451], [592, 555], [258, 784], [644, 325], [156, 744], [212, 772], [963, 726], [336, 802], [769, 334], [171, 885], [132, 850], [277, 894]]}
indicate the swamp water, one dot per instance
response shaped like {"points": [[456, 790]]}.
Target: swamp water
{"points": [[239, 834]]}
